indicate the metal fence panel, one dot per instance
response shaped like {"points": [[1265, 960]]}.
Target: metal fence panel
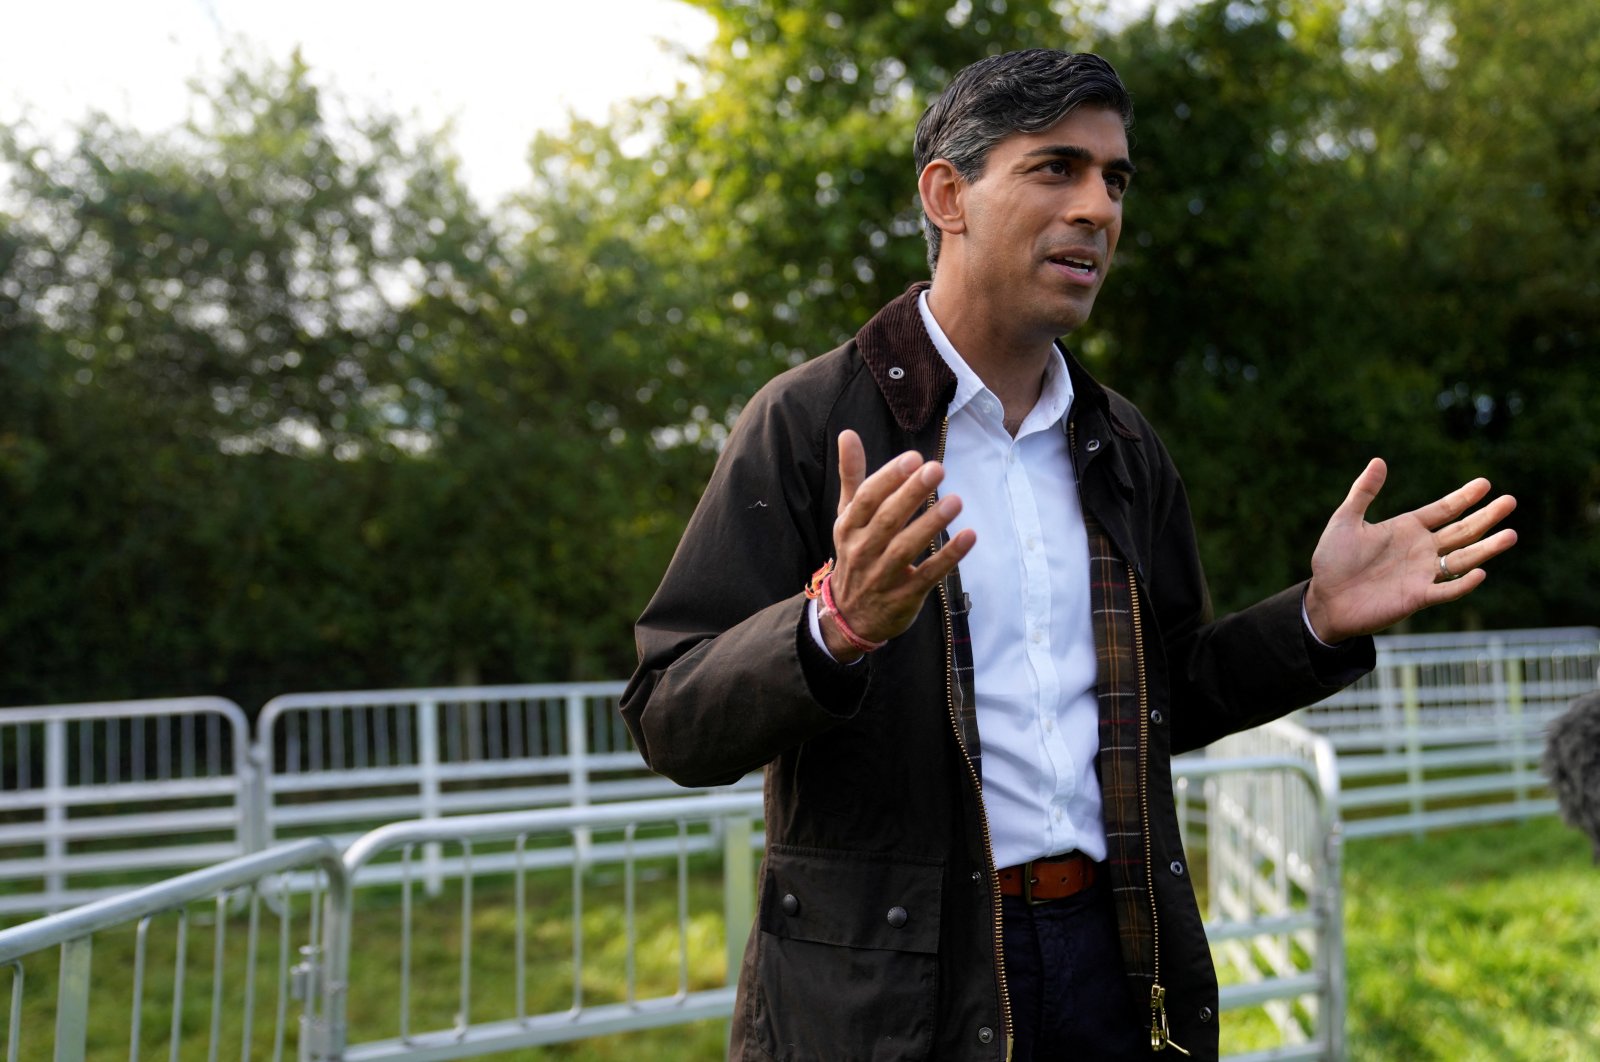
{"points": [[134, 979], [1448, 729], [670, 969], [342, 763], [92, 792]]}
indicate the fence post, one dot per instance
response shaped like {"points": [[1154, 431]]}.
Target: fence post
{"points": [[738, 890], [578, 772], [1412, 701], [72, 1000], [55, 811], [429, 786]]}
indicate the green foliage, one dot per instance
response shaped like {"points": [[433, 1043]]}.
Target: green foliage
{"points": [[285, 409]]}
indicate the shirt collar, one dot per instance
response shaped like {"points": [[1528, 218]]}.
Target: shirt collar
{"points": [[1055, 397]]}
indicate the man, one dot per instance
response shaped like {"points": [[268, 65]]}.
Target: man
{"points": [[972, 848]]}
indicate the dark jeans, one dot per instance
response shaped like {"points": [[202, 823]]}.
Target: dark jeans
{"points": [[1070, 1000]]}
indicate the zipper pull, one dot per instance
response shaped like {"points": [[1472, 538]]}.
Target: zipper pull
{"points": [[1160, 1038]]}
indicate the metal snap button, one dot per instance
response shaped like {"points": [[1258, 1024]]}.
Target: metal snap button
{"points": [[1155, 715], [791, 904], [897, 916], [986, 1035], [897, 373], [1176, 868], [1205, 1013], [1092, 445]]}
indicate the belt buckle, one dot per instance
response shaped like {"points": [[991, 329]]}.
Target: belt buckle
{"points": [[1028, 880]]}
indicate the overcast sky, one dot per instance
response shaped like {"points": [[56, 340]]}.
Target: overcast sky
{"points": [[502, 70]]}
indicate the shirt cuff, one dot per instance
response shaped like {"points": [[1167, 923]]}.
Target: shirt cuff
{"points": [[1305, 617]]}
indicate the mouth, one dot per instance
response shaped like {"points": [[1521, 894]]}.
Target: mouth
{"points": [[1078, 266]]}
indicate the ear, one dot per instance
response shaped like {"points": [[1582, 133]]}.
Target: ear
{"points": [[941, 188]]}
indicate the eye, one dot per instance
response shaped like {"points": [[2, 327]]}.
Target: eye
{"points": [[1057, 167], [1118, 182]]}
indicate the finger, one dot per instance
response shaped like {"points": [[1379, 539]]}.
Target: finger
{"points": [[897, 510], [1455, 589], [1470, 557], [869, 496], [1474, 526], [914, 538], [1435, 515], [1364, 490], [852, 467], [928, 574]]}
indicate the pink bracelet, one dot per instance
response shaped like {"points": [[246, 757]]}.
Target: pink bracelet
{"points": [[821, 586]]}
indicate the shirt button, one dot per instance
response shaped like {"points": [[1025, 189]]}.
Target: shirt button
{"points": [[1036, 637], [1048, 726], [1058, 814]]}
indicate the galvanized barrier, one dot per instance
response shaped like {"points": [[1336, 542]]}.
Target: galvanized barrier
{"points": [[1306, 983], [93, 793], [1447, 730], [632, 843], [204, 1008], [1274, 897], [343, 763]]}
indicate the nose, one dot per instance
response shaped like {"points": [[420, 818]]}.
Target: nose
{"points": [[1091, 204]]}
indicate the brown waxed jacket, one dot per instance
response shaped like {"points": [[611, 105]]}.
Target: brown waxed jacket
{"points": [[876, 930]]}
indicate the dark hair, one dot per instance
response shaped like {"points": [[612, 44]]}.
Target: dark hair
{"points": [[1018, 92]]}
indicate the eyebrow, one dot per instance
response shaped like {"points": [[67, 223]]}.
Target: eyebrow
{"points": [[1081, 154]]}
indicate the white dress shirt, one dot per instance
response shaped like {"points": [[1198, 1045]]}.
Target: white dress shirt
{"points": [[1033, 645], [1032, 641]]}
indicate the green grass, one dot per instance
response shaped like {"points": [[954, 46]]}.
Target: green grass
{"points": [[1470, 944], [1474, 944]]}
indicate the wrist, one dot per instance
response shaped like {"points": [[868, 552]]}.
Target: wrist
{"points": [[1318, 619]]}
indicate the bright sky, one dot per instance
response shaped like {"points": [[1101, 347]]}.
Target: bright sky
{"points": [[502, 70]]}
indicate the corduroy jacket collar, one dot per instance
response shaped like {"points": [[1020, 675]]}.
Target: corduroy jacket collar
{"points": [[917, 383]]}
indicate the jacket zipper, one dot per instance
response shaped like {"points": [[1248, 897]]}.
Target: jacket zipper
{"points": [[977, 787], [1160, 1038]]}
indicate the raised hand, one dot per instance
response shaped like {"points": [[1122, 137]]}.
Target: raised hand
{"points": [[1365, 577], [877, 537]]}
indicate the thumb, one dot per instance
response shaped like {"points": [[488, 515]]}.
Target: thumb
{"points": [[1364, 491]]}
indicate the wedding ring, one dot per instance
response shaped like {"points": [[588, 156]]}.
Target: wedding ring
{"points": [[1444, 570]]}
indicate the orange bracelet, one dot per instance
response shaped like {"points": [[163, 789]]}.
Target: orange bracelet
{"points": [[821, 586]]}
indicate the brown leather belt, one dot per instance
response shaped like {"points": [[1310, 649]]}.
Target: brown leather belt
{"points": [[1048, 879]]}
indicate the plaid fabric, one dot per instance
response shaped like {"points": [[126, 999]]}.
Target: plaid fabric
{"points": [[1121, 759]]}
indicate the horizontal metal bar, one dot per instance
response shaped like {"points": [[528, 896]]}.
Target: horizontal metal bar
{"points": [[161, 823], [159, 858], [111, 711], [1308, 1052], [115, 910], [1218, 932], [442, 695], [78, 795], [1447, 818], [506, 825], [1441, 789], [490, 1037], [1233, 997]]}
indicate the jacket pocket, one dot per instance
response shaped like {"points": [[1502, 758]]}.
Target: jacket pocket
{"points": [[847, 967]]}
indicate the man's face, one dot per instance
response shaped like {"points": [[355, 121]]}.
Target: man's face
{"points": [[1043, 220]]}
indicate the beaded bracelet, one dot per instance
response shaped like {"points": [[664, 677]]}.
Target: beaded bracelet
{"points": [[821, 586]]}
